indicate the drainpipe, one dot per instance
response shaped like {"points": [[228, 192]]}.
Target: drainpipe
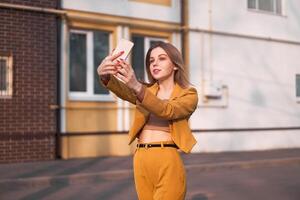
{"points": [[184, 34], [58, 84], [210, 65]]}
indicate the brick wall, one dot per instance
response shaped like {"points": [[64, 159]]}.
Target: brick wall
{"points": [[27, 124], [38, 3]]}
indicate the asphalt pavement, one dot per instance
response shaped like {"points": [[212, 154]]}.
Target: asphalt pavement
{"points": [[257, 175]]}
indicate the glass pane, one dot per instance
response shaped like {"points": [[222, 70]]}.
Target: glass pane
{"points": [[78, 68], [252, 4], [3, 74], [101, 50], [298, 85], [278, 7], [266, 5], [138, 54], [153, 42]]}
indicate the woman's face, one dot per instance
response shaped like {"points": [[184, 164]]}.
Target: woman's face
{"points": [[161, 66]]}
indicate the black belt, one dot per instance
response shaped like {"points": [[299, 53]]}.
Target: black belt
{"points": [[155, 145]]}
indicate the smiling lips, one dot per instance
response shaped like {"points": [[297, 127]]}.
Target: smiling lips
{"points": [[156, 71]]}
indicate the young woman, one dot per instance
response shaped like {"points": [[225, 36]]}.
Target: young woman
{"points": [[163, 108]]}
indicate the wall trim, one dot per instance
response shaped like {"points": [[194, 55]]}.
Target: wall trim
{"points": [[230, 34], [202, 131], [122, 20], [155, 2], [245, 129], [27, 136]]}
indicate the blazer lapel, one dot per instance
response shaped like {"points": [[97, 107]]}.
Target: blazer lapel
{"points": [[176, 91]]}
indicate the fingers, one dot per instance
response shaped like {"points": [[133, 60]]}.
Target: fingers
{"points": [[112, 57], [107, 69], [121, 77], [111, 53], [113, 72], [123, 72], [124, 66]]}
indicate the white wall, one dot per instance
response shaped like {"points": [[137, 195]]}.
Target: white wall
{"points": [[259, 74], [233, 16], [246, 141], [128, 9]]}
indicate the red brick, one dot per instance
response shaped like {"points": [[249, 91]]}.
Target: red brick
{"points": [[31, 37]]}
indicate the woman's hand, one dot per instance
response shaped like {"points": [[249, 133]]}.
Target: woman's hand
{"points": [[108, 65], [127, 75]]}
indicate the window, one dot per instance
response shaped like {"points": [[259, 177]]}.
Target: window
{"points": [[141, 46], [87, 50], [298, 87], [273, 6], [6, 80]]}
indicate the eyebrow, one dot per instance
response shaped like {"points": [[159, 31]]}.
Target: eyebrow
{"points": [[163, 54]]}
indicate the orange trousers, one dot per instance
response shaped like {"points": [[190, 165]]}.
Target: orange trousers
{"points": [[159, 173]]}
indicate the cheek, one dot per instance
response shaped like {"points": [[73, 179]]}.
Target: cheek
{"points": [[169, 69], [150, 68]]}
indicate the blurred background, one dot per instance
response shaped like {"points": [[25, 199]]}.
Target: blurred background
{"points": [[241, 55], [64, 136]]}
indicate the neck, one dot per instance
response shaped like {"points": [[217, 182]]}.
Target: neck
{"points": [[167, 84]]}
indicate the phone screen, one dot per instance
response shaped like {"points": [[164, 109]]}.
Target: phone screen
{"points": [[123, 45]]}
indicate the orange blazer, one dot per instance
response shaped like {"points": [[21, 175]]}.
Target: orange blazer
{"points": [[177, 110]]}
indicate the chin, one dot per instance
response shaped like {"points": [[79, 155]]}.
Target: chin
{"points": [[157, 78]]}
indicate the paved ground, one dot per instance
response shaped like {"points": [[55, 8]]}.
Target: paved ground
{"points": [[260, 175]]}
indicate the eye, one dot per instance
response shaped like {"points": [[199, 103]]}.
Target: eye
{"points": [[162, 58], [151, 61]]}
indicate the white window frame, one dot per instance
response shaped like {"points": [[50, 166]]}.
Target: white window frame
{"points": [[89, 95], [9, 77], [274, 11]]}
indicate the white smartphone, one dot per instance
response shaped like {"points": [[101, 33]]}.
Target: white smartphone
{"points": [[123, 45]]}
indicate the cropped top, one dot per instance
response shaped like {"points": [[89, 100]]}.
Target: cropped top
{"points": [[157, 123]]}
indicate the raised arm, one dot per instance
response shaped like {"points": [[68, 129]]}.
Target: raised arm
{"points": [[180, 107], [107, 71]]}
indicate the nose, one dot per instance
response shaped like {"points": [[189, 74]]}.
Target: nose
{"points": [[154, 63]]}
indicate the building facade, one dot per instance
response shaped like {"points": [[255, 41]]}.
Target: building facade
{"points": [[93, 121], [28, 61], [245, 64], [242, 59], [242, 56]]}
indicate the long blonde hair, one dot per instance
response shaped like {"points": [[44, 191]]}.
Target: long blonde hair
{"points": [[175, 56]]}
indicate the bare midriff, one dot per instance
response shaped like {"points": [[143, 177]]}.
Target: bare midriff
{"points": [[148, 136]]}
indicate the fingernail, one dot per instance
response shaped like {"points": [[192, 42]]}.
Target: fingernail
{"points": [[122, 51]]}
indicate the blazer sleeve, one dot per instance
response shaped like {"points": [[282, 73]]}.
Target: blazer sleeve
{"points": [[120, 89], [180, 107]]}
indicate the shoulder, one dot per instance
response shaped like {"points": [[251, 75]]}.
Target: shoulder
{"points": [[189, 90], [192, 89]]}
